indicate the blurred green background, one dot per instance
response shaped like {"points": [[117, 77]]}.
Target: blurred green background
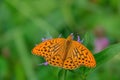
{"points": [[23, 23]]}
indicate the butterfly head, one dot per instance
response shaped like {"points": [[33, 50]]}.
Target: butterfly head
{"points": [[70, 37]]}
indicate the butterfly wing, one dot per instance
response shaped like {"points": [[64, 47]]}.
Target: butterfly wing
{"points": [[78, 55], [52, 50]]}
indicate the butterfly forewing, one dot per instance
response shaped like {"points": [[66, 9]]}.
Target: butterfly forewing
{"points": [[78, 55], [52, 50], [84, 57]]}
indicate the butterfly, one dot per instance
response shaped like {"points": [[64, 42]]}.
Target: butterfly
{"points": [[65, 53]]}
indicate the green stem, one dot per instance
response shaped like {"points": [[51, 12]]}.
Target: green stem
{"points": [[65, 74], [62, 74], [83, 77]]}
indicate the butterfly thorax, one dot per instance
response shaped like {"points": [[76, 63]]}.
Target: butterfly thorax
{"points": [[68, 43]]}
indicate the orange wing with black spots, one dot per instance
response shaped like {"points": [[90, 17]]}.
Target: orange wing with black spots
{"points": [[52, 50], [78, 55]]}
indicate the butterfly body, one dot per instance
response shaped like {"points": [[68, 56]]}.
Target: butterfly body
{"points": [[65, 53]]}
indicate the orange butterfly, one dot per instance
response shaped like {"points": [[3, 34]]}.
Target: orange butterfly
{"points": [[65, 53]]}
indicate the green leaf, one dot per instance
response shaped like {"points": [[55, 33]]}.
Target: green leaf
{"points": [[24, 55], [104, 56], [107, 54], [88, 40]]}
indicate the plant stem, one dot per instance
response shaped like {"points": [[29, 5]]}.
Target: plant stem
{"points": [[83, 77], [65, 74], [62, 74]]}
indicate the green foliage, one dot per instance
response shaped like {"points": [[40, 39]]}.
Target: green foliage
{"points": [[23, 23], [107, 54]]}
